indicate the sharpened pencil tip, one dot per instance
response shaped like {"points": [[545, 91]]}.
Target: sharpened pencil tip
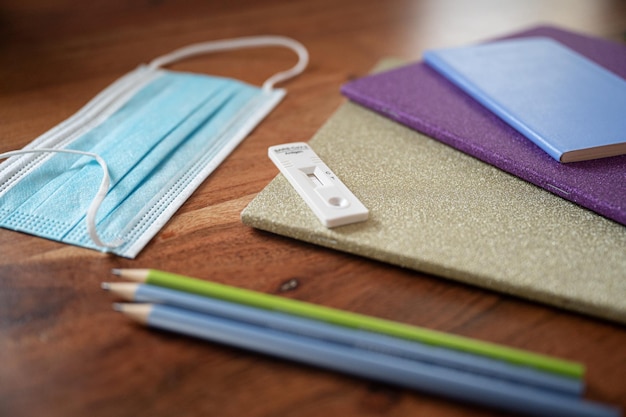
{"points": [[105, 286], [118, 307], [116, 271]]}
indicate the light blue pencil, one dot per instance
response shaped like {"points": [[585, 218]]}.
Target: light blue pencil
{"points": [[428, 378], [351, 337]]}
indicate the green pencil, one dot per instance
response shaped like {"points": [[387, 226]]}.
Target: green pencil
{"points": [[352, 320]]}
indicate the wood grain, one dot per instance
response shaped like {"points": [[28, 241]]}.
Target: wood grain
{"points": [[64, 352]]}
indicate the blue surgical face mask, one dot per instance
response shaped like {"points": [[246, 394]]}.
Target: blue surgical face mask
{"points": [[141, 147]]}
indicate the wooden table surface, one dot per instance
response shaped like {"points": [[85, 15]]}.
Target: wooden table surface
{"points": [[64, 352]]}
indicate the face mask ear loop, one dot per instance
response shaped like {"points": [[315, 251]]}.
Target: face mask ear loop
{"points": [[98, 198], [238, 43]]}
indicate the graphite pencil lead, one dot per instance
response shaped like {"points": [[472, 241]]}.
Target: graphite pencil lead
{"points": [[105, 286], [126, 290], [136, 311], [137, 275]]}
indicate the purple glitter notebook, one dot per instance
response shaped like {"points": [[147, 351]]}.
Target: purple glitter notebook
{"points": [[418, 97]]}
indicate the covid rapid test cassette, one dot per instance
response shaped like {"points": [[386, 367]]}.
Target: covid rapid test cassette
{"points": [[331, 201]]}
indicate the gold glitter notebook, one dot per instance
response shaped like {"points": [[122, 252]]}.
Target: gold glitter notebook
{"points": [[437, 210]]}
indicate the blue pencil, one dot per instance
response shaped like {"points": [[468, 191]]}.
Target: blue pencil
{"points": [[351, 337], [428, 378]]}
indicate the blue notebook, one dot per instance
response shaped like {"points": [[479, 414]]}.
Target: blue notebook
{"points": [[572, 108]]}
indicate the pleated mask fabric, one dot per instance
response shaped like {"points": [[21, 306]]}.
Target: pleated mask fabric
{"points": [[142, 146]]}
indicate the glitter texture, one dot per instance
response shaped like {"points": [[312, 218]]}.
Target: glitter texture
{"points": [[437, 210], [417, 96]]}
